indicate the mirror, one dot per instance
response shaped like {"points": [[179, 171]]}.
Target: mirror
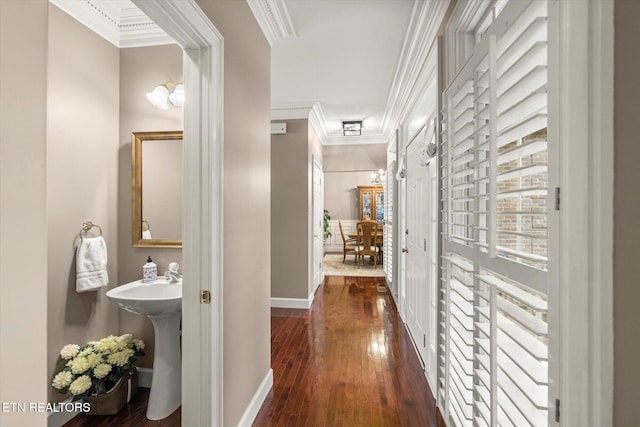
{"points": [[156, 189]]}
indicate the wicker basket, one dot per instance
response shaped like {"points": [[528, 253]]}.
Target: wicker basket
{"points": [[115, 399]]}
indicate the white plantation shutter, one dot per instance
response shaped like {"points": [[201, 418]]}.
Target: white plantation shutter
{"points": [[388, 224], [494, 331]]}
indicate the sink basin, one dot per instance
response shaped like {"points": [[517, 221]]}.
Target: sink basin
{"points": [[153, 298], [161, 301]]}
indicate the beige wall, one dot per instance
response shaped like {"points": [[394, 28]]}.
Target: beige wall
{"points": [[247, 198], [82, 163], [23, 219], [341, 193], [289, 208], [346, 167], [141, 69], [626, 292]]}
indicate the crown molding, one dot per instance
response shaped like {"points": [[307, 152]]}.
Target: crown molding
{"points": [[119, 22], [319, 122], [273, 18], [291, 111], [421, 34]]}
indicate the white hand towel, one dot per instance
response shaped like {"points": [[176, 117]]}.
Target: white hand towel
{"points": [[146, 234], [91, 264]]}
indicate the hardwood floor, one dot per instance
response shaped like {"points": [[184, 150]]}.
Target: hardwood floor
{"points": [[132, 415], [346, 362]]}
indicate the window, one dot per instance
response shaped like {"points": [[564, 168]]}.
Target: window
{"points": [[495, 188], [389, 184]]}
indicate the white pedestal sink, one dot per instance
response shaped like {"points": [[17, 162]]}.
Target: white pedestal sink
{"points": [[161, 301]]}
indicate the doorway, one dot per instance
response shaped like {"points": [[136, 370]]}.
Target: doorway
{"points": [[202, 226]]}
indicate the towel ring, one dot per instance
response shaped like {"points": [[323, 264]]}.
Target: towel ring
{"points": [[88, 225]]}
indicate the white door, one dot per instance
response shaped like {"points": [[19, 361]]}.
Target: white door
{"points": [[402, 236], [421, 255], [318, 230]]}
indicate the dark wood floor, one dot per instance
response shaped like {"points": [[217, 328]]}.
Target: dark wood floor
{"points": [[132, 415], [346, 362]]}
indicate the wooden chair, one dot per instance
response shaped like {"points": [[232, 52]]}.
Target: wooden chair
{"points": [[348, 245], [380, 242], [366, 240]]}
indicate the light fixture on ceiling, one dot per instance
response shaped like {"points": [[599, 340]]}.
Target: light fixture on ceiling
{"points": [[167, 94], [352, 128], [378, 178]]}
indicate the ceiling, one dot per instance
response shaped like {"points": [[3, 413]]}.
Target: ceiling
{"points": [[342, 59], [332, 60]]}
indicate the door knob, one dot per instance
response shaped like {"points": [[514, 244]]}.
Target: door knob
{"points": [[405, 250]]}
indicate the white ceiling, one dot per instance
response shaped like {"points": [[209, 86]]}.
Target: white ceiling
{"points": [[117, 21], [332, 60], [344, 58]]}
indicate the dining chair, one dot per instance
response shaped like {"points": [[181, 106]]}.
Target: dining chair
{"points": [[366, 240], [348, 245], [380, 242]]}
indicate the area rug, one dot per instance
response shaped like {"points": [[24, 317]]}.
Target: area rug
{"points": [[333, 266]]}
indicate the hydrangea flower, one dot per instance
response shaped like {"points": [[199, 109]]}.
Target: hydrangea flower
{"points": [[124, 341], [120, 358], [69, 351], [79, 365], [107, 345], [62, 380], [102, 370], [80, 385], [87, 351], [94, 360]]}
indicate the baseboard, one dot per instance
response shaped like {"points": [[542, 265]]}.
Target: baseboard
{"points": [[144, 377], [303, 303], [260, 395]]}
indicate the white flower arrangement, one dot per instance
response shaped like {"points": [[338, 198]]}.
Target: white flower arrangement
{"points": [[97, 366]]}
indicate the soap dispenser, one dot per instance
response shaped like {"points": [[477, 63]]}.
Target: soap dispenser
{"points": [[149, 271]]}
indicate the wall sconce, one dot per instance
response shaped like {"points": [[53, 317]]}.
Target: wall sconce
{"points": [[353, 128], [378, 178], [167, 94]]}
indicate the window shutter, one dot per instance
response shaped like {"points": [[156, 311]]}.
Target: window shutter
{"points": [[388, 224], [494, 188]]}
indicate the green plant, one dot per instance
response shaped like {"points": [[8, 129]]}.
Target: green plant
{"points": [[96, 367], [325, 224]]}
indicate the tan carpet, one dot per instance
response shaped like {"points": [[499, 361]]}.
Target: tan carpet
{"points": [[333, 266]]}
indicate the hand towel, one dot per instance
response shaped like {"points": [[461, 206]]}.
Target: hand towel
{"points": [[146, 234], [91, 264]]}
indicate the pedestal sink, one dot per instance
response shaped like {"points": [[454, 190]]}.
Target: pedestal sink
{"points": [[161, 301]]}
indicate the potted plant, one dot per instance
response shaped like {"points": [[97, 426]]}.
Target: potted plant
{"points": [[325, 224], [100, 372]]}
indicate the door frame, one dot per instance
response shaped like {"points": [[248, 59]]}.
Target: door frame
{"points": [[316, 216], [202, 212], [583, 50]]}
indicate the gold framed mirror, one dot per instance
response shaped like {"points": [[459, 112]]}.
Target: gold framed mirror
{"points": [[156, 189]]}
